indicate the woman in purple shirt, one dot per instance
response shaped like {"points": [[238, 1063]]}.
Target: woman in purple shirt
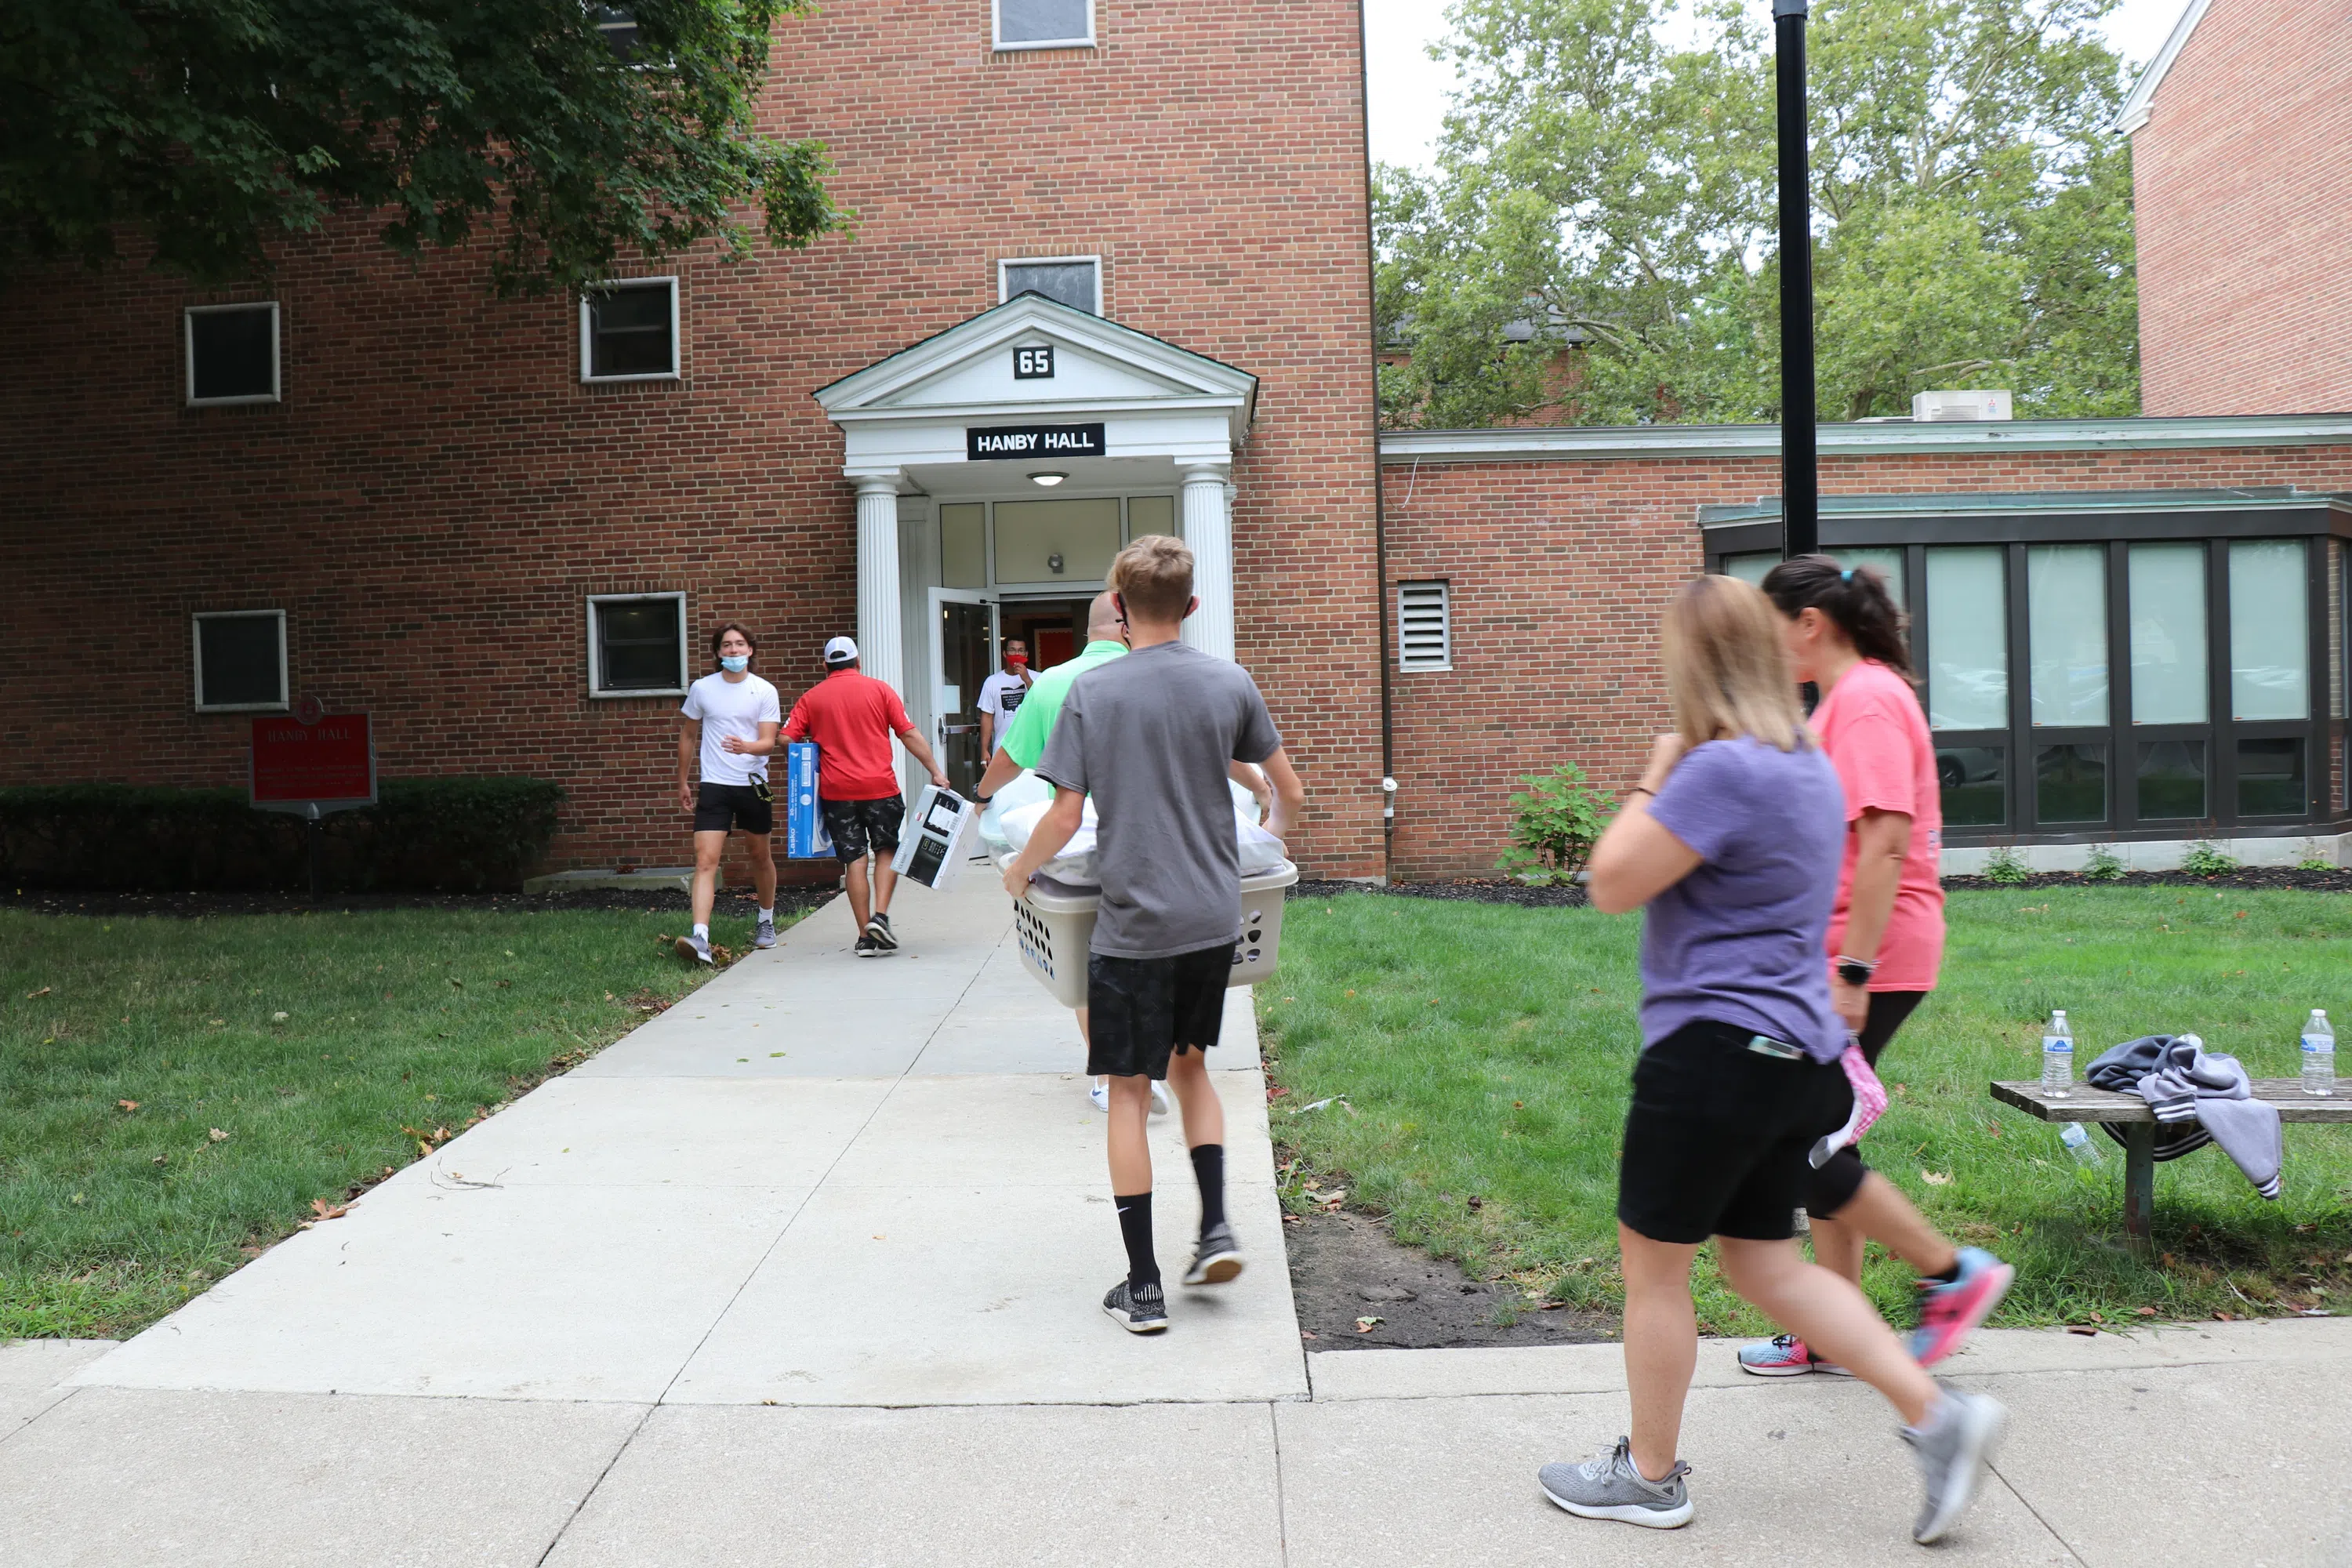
{"points": [[1733, 841]]}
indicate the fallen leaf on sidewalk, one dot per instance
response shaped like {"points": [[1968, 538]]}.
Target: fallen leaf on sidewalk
{"points": [[1366, 1325], [1306, 1334], [321, 1209], [2147, 1311], [2082, 1328]]}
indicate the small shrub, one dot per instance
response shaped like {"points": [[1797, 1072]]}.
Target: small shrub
{"points": [[2006, 867], [2105, 865], [1556, 821], [2313, 861], [2206, 859]]}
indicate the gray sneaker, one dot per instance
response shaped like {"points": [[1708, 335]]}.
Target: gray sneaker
{"points": [[1608, 1487], [1138, 1309], [1218, 1259], [764, 934], [695, 950], [1953, 1449]]}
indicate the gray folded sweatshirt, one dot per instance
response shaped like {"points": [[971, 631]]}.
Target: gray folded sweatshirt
{"points": [[2213, 1091]]}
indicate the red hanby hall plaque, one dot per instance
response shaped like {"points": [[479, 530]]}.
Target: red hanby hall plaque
{"points": [[327, 763]]}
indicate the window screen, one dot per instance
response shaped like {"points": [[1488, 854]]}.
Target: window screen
{"points": [[630, 330], [241, 660], [1077, 284], [1037, 24], [232, 353], [637, 645], [1425, 627]]}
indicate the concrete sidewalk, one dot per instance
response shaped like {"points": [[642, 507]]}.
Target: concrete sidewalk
{"points": [[805, 1271]]}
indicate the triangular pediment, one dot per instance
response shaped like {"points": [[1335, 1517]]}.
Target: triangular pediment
{"points": [[975, 366]]}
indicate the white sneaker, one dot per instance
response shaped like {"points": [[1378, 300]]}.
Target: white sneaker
{"points": [[1099, 1095], [1159, 1098]]}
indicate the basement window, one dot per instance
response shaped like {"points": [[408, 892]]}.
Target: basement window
{"points": [[240, 661], [1425, 627], [1044, 24], [628, 331], [232, 353], [637, 645]]}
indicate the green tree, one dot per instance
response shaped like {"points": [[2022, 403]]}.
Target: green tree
{"points": [[569, 134], [1597, 244]]}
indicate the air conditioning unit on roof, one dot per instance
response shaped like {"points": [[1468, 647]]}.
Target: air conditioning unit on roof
{"points": [[1940, 405]]}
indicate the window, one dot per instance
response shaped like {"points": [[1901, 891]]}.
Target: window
{"points": [[1044, 24], [1886, 561], [1049, 541], [1968, 639], [240, 656], [2066, 633], [232, 353], [618, 26], [2270, 632], [1753, 567], [2168, 676], [1072, 280], [628, 331], [637, 645], [1425, 627]]}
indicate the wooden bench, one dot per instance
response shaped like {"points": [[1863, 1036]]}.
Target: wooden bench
{"points": [[2084, 1104]]}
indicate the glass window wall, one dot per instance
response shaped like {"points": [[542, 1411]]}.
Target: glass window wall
{"points": [[2168, 669], [2270, 647], [1968, 639], [2066, 635], [1888, 560]]}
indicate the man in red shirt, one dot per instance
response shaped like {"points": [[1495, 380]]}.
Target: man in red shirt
{"points": [[851, 716]]}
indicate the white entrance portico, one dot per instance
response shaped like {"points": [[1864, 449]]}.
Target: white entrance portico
{"points": [[1001, 464]]}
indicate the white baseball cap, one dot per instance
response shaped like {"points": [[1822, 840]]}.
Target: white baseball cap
{"points": [[841, 651]]}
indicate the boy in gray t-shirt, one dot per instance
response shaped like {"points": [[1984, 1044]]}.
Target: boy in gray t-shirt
{"points": [[1151, 736]]}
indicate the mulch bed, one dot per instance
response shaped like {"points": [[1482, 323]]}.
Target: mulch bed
{"points": [[731, 904]]}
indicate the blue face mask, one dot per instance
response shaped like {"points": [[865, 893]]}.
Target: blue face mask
{"points": [[736, 663]]}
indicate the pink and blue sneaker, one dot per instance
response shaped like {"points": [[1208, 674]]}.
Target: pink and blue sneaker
{"points": [[1949, 1310], [1785, 1355]]}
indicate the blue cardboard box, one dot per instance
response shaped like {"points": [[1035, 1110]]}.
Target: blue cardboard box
{"points": [[805, 837]]}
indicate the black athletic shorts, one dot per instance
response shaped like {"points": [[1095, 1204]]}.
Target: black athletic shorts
{"points": [[857, 824], [1840, 1177], [717, 808], [1142, 1011], [1718, 1135]]}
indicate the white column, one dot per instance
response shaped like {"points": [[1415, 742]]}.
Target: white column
{"points": [[881, 639], [1209, 530]]}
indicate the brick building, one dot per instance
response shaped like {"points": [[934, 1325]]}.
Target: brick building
{"points": [[1110, 276], [2242, 169]]}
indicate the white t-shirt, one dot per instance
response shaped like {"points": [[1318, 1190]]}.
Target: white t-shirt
{"points": [[728, 707], [1001, 695]]}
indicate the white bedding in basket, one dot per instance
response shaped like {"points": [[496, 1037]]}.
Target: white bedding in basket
{"points": [[1013, 813]]}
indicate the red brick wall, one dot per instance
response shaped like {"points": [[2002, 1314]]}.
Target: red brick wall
{"points": [[438, 494], [1559, 572], [2242, 182]]}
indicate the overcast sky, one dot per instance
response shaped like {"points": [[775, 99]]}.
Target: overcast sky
{"points": [[1408, 88]]}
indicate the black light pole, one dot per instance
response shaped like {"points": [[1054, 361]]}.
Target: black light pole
{"points": [[1800, 496]]}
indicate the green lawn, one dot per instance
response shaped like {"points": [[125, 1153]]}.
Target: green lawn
{"points": [[175, 1094], [1483, 1054]]}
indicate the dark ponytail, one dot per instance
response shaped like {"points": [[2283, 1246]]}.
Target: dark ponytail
{"points": [[1855, 598]]}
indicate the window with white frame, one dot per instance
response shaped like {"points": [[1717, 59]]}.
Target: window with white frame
{"points": [[1425, 626], [628, 331], [232, 353], [240, 661], [637, 645], [1072, 280], [1044, 24]]}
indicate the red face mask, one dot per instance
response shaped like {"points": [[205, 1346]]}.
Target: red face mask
{"points": [[1016, 658]]}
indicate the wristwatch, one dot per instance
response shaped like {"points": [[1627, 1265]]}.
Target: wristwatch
{"points": [[1855, 971]]}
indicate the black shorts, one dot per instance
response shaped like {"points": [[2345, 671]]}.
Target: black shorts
{"points": [[717, 808], [1718, 1135], [1840, 1177], [858, 825], [1142, 1011]]}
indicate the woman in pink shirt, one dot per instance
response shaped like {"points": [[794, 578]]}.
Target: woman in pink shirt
{"points": [[1845, 634]]}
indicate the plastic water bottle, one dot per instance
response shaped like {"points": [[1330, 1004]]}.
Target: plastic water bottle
{"points": [[2058, 1057], [2318, 1053], [2077, 1140]]}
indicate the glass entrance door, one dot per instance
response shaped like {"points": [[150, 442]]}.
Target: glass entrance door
{"points": [[963, 654]]}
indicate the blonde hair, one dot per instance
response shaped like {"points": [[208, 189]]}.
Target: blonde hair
{"points": [[1727, 675], [1154, 577]]}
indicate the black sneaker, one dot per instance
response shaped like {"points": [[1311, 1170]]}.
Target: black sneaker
{"points": [[1138, 1309], [865, 948], [1218, 1259], [879, 931]]}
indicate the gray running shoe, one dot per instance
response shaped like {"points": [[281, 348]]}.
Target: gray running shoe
{"points": [[1138, 1309], [865, 948], [1218, 1259], [879, 928], [1953, 1449], [695, 950], [1609, 1486], [764, 934]]}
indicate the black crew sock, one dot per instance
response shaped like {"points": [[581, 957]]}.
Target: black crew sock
{"points": [[1135, 1229], [1948, 1275], [1209, 1167]]}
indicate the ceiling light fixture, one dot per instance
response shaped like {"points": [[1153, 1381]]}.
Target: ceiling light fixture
{"points": [[1047, 477]]}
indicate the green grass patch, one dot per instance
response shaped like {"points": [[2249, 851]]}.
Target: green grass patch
{"points": [[175, 1094], [1483, 1054]]}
